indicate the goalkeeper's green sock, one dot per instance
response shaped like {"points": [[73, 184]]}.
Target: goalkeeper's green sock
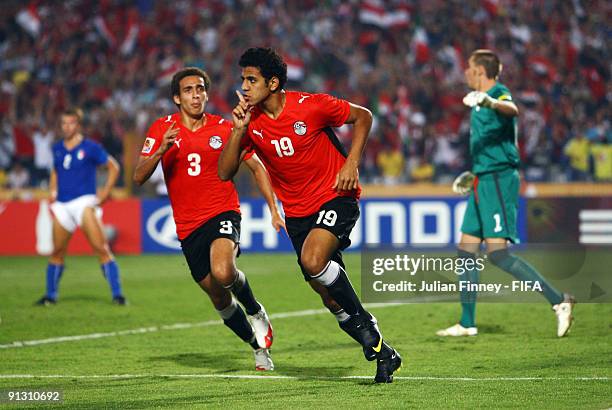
{"points": [[523, 271], [468, 298]]}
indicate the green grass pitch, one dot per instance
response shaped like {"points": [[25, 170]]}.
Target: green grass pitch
{"points": [[516, 361]]}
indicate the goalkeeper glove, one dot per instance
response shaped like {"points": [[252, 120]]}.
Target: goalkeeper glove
{"points": [[463, 183], [475, 98]]}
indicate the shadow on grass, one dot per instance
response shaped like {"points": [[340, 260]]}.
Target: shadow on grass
{"points": [[317, 347], [85, 298], [492, 329], [222, 363], [311, 371], [217, 362]]}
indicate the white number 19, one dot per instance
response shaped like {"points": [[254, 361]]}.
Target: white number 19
{"points": [[328, 218], [284, 148]]}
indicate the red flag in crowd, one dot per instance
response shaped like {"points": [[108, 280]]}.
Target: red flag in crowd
{"points": [[375, 13], [29, 20], [105, 31]]}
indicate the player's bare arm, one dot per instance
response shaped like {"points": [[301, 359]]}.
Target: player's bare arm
{"points": [[113, 173], [263, 183], [348, 177], [229, 161], [52, 185], [146, 165]]}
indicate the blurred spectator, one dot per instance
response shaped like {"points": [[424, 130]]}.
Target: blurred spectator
{"points": [[43, 139], [7, 146], [3, 178], [578, 152], [24, 148], [18, 177], [422, 171], [390, 162], [405, 62], [602, 161], [446, 158]]}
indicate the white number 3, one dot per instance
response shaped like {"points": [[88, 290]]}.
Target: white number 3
{"points": [[226, 227], [194, 164]]}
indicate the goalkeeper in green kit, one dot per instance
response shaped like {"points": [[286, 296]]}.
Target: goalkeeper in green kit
{"points": [[493, 188]]}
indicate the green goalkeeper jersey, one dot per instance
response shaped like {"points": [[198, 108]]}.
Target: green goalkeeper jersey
{"points": [[493, 136]]}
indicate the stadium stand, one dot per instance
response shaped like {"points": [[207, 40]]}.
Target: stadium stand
{"points": [[402, 59]]}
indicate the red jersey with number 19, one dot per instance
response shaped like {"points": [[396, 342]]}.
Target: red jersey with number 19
{"points": [[190, 170], [300, 151]]}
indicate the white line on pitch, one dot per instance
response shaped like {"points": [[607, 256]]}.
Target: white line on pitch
{"points": [[176, 326], [280, 377]]}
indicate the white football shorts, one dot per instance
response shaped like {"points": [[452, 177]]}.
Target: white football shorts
{"points": [[70, 214]]}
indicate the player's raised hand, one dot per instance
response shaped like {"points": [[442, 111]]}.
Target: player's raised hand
{"points": [[241, 114], [348, 177], [475, 98], [485, 100], [471, 99], [169, 138]]}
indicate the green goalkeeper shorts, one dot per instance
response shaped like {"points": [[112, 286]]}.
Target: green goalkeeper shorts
{"points": [[493, 206]]}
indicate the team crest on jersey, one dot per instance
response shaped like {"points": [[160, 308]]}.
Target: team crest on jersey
{"points": [[215, 142], [148, 145], [299, 127], [80, 154]]}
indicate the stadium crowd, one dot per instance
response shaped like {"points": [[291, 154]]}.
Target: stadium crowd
{"points": [[403, 59]]}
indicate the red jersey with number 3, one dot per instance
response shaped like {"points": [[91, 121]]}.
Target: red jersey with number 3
{"points": [[190, 169], [300, 150]]}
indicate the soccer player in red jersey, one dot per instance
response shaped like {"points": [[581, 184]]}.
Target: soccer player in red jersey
{"points": [[316, 181], [206, 209]]}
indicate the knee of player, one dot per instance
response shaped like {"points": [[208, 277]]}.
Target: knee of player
{"points": [[58, 252], [224, 273], [313, 263], [57, 257]]}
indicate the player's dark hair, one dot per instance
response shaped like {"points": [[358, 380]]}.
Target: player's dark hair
{"points": [[269, 63], [175, 88], [488, 60], [74, 112]]}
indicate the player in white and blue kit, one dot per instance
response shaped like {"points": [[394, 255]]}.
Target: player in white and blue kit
{"points": [[76, 204]]}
